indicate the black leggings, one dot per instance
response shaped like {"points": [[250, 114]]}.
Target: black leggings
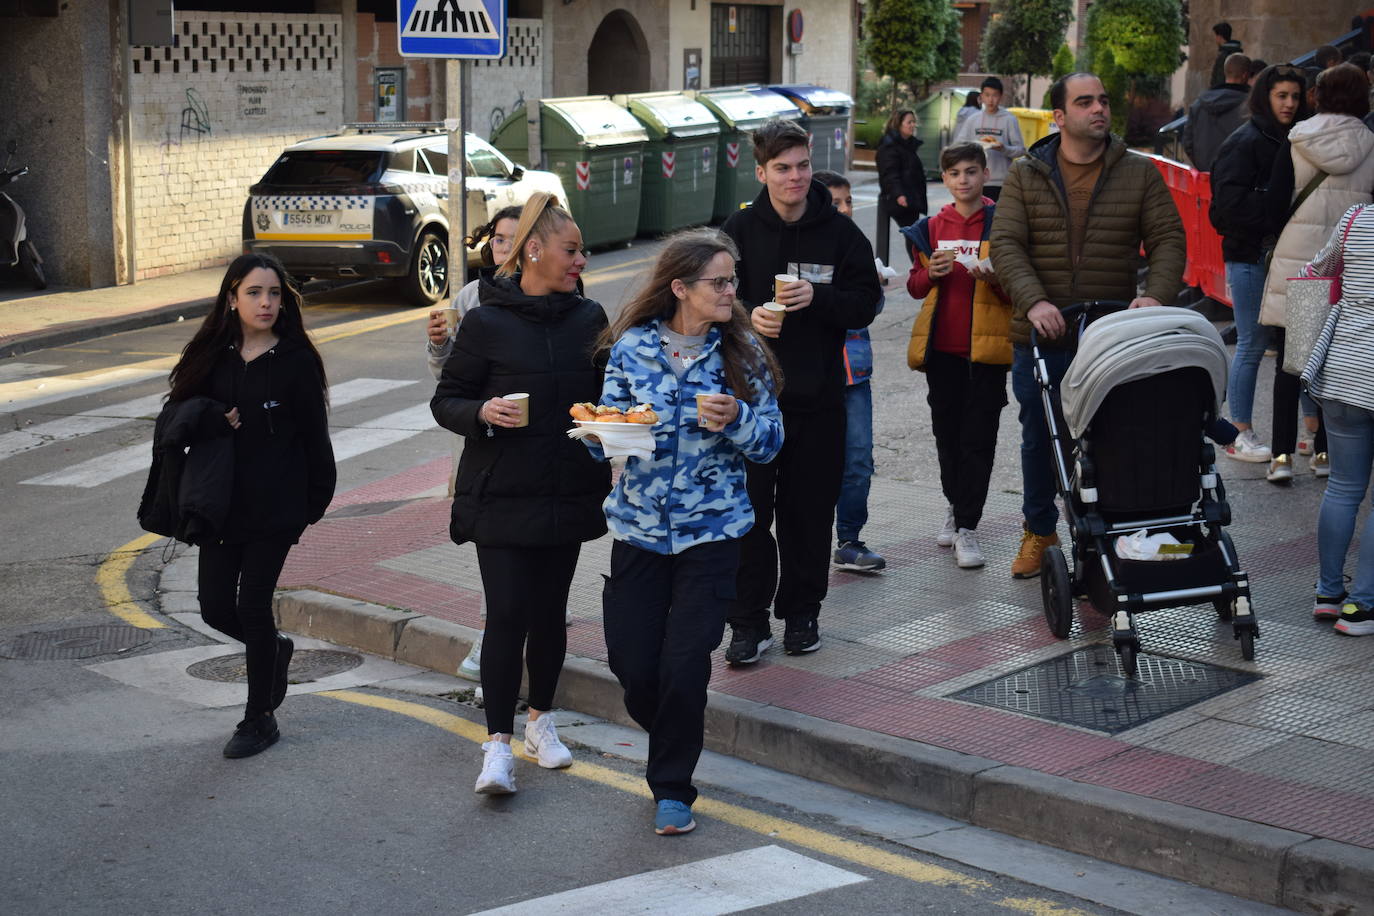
{"points": [[527, 598], [236, 582], [1287, 387]]}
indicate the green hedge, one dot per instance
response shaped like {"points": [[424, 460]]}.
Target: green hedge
{"points": [[868, 133]]}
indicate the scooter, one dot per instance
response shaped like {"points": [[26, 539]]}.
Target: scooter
{"points": [[16, 249]]}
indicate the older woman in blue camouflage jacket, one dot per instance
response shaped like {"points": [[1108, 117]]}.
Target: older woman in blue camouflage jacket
{"points": [[684, 346]]}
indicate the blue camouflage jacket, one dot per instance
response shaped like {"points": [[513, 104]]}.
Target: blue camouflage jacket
{"points": [[692, 491]]}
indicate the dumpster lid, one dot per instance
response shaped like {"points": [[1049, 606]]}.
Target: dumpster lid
{"points": [[815, 96], [671, 113], [598, 120], [746, 106]]}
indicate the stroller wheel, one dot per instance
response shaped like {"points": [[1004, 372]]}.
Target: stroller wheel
{"points": [[1056, 592], [1224, 608], [1127, 651], [1247, 644]]}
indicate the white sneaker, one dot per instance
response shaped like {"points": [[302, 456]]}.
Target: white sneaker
{"points": [[1247, 447], [541, 742], [947, 531], [498, 770], [471, 666], [968, 554]]}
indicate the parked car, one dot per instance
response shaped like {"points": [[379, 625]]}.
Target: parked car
{"points": [[372, 202]]}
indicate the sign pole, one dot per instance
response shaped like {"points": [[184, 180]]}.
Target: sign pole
{"points": [[457, 180]]}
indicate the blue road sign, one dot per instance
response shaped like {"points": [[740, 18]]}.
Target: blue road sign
{"points": [[452, 28]]}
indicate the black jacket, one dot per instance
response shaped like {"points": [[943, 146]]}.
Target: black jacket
{"points": [[1211, 119], [1241, 187], [187, 495], [827, 249], [1224, 50], [900, 172], [284, 471], [533, 486]]}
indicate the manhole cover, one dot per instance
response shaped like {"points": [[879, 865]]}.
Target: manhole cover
{"points": [[359, 510], [75, 642], [1086, 688], [306, 665]]}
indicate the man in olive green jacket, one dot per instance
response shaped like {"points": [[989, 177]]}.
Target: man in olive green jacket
{"points": [[1072, 218]]}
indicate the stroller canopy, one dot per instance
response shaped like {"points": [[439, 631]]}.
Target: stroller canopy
{"points": [[1126, 346]]}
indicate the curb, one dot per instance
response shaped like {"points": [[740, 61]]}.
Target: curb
{"points": [[90, 329], [1248, 859]]}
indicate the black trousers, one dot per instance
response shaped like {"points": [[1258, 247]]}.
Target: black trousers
{"points": [[888, 213], [1287, 387], [797, 490], [966, 401], [527, 599], [664, 615], [235, 584]]}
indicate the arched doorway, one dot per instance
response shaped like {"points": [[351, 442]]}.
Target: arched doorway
{"points": [[618, 57]]}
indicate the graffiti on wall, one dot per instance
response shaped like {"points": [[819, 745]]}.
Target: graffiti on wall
{"points": [[498, 114], [195, 117]]}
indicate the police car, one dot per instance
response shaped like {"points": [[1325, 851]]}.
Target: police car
{"points": [[372, 202]]}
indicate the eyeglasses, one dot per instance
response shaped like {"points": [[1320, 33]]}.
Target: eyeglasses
{"points": [[718, 283]]}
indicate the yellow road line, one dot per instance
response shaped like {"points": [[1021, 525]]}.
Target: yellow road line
{"points": [[114, 589], [775, 828]]}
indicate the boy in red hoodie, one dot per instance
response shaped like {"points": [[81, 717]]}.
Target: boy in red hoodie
{"points": [[960, 342]]}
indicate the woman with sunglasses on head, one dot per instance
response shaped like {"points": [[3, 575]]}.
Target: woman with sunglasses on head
{"points": [[1240, 186], [526, 495], [253, 361], [684, 346]]}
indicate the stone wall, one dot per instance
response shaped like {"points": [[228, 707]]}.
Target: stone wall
{"points": [[1268, 29], [210, 115]]}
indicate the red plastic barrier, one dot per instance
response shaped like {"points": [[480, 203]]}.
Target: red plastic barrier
{"points": [[1192, 193]]}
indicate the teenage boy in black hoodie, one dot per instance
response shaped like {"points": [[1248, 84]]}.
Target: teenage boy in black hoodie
{"points": [[793, 228]]}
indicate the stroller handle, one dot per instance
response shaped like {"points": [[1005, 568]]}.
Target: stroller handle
{"points": [[1083, 313]]}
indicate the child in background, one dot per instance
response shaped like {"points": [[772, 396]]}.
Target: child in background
{"points": [[851, 512], [960, 341]]}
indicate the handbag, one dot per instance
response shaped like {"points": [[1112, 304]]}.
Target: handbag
{"points": [[1310, 301]]}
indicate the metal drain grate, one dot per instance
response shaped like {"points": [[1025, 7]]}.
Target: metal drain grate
{"points": [[1086, 688], [361, 510], [306, 665], [74, 642]]}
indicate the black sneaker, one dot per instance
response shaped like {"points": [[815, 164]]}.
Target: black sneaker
{"points": [[282, 669], [253, 736], [801, 636], [746, 645]]}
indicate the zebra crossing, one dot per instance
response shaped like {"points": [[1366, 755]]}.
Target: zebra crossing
{"points": [[25, 386]]}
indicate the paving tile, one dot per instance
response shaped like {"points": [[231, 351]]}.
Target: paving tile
{"points": [[1218, 741], [1143, 771], [1314, 762], [1356, 730]]}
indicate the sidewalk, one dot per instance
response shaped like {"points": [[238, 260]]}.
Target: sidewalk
{"points": [[32, 321], [1262, 787]]}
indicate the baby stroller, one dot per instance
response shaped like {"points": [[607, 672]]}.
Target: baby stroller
{"points": [[1130, 454]]}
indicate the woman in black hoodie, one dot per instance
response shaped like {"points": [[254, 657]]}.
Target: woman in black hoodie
{"points": [[526, 494], [901, 176], [1240, 200], [252, 356]]}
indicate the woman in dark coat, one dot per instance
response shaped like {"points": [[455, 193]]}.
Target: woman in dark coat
{"points": [[252, 356], [526, 495], [901, 176]]}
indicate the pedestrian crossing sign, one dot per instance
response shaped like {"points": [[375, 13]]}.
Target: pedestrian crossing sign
{"points": [[471, 29]]}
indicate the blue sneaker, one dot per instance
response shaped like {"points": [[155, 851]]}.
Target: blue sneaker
{"points": [[673, 817], [856, 556]]}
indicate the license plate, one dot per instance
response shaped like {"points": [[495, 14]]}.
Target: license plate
{"points": [[309, 219]]}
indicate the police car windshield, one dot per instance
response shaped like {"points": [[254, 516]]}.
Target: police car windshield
{"points": [[325, 167]]}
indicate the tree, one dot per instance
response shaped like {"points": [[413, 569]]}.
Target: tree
{"points": [[1062, 66], [1021, 34], [915, 42], [1145, 37]]}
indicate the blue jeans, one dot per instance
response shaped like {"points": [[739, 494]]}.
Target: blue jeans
{"points": [[1350, 433], [1247, 287], [1037, 462], [851, 512]]}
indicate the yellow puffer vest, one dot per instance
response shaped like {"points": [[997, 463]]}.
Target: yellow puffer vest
{"points": [[988, 343]]}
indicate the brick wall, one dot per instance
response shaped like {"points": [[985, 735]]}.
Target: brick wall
{"points": [[424, 95], [210, 115]]}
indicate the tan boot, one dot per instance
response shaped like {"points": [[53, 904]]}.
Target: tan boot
{"points": [[1027, 562]]}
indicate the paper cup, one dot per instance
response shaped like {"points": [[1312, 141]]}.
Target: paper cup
{"points": [[523, 400], [781, 280], [451, 316], [700, 397], [777, 309]]}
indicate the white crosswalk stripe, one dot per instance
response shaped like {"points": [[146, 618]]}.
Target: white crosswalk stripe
{"points": [[11, 371], [81, 424], [709, 887], [136, 458], [383, 431], [36, 392]]}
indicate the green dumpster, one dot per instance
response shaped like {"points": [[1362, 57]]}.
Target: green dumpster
{"points": [[679, 160], [825, 115], [740, 110], [595, 147], [935, 123]]}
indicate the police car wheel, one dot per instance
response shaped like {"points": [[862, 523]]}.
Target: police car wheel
{"points": [[427, 280]]}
